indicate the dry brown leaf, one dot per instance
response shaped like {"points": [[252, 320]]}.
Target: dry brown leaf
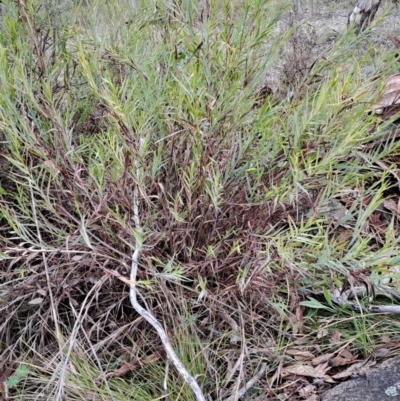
{"points": [[307, 391], [307, 370], [126, 367], [393, 206], [36, 301], [314, 397], [335, 338], [395, 40], [305, 340], [386, 348], [346, 353], [211, 103], [390, 96], [51, 166], [299, 354], [355, 370], [381, 353], [344, 358], [119, 372], [322, 333], [276, 375], [322, 358]]}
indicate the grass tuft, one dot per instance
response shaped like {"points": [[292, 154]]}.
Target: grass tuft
{"points": [[255, 203]]}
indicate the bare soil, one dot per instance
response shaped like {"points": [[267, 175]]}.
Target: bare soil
{"points": [[320, 23]]}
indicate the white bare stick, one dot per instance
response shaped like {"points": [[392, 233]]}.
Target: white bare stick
{"points": [[166, 380], [189, 379], [393, 309], [342, 298], [134, 6], [249, 384]]}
